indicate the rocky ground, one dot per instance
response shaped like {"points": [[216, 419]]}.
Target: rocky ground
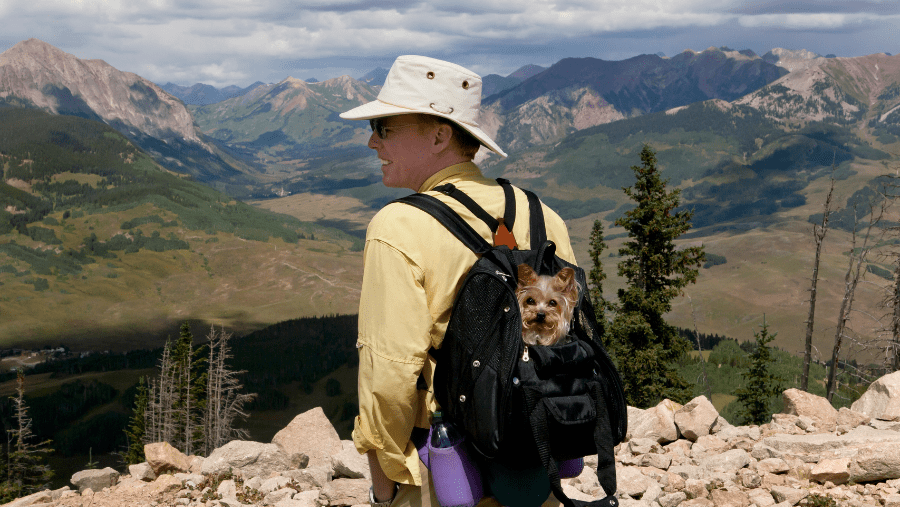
{"points": [[685, 456]]}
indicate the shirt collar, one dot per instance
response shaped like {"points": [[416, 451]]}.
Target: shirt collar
{"points": [[465, 169]]}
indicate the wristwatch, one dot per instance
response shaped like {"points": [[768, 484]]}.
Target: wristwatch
{"points": [[386, 503]]}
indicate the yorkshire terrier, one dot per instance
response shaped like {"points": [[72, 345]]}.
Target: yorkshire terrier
{"points": [[546, 304]]}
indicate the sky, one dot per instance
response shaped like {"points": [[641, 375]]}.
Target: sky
{"points": [[238, 42]]}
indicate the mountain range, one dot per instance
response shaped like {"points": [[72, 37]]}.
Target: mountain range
{"points": [[36, 74], [201, 94], [749, 140]]}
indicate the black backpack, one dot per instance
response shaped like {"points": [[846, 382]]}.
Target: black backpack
{"points": [[564, 401]]}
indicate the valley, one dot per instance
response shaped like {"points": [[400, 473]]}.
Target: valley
{"points": [[117, 224]]}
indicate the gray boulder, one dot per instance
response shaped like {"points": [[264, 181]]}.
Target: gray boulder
{"points": [[95, 480], [816, 408], [696, 419], [349, 463], [142, 472], [876, 463], [657, 423], [347, 492], [882, 399], [162, 457], [310, 434], [251, 458], [733, 460]]}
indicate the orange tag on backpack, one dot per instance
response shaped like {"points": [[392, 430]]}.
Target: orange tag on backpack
{"points": [[504, 237]]}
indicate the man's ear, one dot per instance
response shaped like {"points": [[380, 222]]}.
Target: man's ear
{"points": [[443, 137]]}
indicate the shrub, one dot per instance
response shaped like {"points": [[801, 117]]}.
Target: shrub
{"points": [[714, 260]]}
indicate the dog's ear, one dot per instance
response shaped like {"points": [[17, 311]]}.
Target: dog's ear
{"points": [[565, 280], [527, 276]]}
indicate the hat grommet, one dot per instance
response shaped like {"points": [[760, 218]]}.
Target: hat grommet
{"points": [[430, 75], [465, 85]]}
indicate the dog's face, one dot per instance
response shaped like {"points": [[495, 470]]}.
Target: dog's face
{"points": [[546, 304]]}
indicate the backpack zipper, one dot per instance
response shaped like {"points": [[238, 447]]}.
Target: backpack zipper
{"points": [[525, 355]]}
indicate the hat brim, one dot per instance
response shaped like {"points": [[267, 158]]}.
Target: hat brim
{"points": [[379, 109]]}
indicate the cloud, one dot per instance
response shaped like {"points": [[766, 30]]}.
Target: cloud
{"points": [[815, 21], [215, 41]]}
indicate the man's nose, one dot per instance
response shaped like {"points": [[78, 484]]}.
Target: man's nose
{"points": [[373, 139]]}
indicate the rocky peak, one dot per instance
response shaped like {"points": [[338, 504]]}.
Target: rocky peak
{"points": [[793, 59], [61, 83]]}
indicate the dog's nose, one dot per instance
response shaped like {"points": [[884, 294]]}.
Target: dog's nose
{"points": [[541, 316]]}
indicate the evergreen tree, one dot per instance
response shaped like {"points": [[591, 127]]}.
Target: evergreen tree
{"points": [[644, 344], [135, 433], [26, 469], [189, 385], [596, 276], [756, 395]]}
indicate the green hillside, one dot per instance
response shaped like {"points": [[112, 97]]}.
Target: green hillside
{"points": [[97, 239], [292, 128], [731, 161]]}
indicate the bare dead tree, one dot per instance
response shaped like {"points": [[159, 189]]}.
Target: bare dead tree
{"points": [[159, 416], [225, 402], [857, 258], [892, 351], [27, 471], [700, 351], [819, 232]]}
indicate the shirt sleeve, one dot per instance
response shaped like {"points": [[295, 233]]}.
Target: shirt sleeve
{"points": [[393, 344]]}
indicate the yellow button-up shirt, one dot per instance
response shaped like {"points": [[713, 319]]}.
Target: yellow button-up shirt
{"points": [[413, 269]]}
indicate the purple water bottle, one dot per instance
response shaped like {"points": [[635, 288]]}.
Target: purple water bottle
{"points": [[571, 468], [457, 480]]}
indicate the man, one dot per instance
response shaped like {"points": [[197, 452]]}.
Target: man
{"points": [[425, 134]]}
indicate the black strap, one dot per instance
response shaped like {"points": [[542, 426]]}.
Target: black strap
{"points": [[536, 220], [509, 214], [449, 219], [509, 211], [463, 231], [468, 202]]}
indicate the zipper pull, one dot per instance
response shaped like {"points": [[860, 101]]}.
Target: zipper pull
{"points": [[501, 274], [525, 355]]}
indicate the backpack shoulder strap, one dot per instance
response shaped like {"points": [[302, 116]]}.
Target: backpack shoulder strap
{"points": [[449, 219], [536, 220], [509, 211], [463, 231]]}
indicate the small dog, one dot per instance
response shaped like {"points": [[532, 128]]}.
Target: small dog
{"points": [[546, 304]]}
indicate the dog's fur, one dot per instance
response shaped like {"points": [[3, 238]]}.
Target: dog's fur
{"points": [[546, 304]]}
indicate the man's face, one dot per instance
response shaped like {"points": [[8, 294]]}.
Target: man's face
{"points": [[405, 154]]}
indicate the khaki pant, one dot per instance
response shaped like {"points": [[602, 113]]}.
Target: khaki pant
{"points": [[414, 496]]}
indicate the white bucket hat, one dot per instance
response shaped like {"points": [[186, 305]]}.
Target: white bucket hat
{"points": [[418, 84]]}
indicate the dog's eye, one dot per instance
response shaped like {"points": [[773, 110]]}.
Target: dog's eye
{"points": [[529, 301], [552, 302]]}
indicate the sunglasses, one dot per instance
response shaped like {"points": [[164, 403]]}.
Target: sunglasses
{"points": [[381, 130]]}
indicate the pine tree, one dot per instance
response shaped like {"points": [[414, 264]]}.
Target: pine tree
{"points": [[596, 276], [644, 344], [762, 385], [175, 400], [136, 431], [187, 363], [26, 469]]}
